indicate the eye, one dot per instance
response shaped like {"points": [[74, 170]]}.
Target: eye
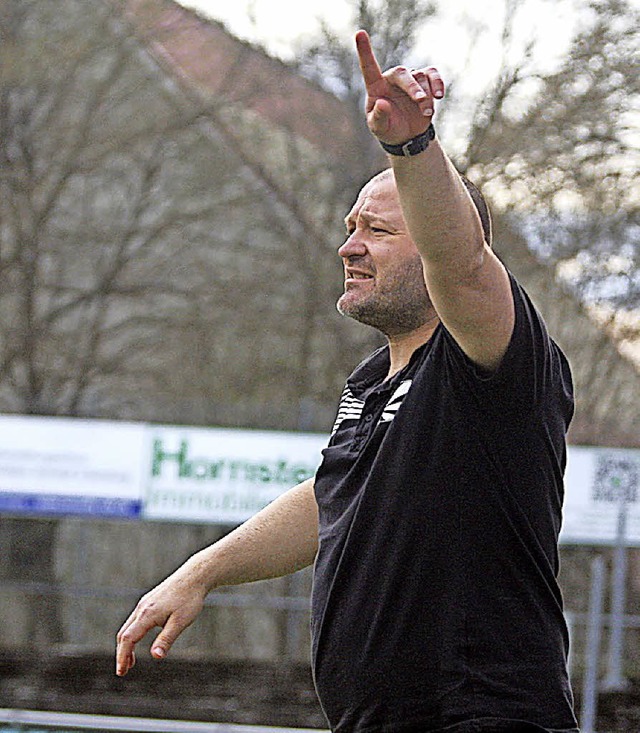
{"points": [[379, 230]]}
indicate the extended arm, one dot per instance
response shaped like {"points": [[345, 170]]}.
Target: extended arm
{"points": [[279, 540], [467, 284]]}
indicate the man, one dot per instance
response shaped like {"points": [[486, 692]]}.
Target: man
{"points": [[434, 517]]}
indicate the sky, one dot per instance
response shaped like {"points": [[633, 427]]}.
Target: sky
{"points": [[278, 24], [463, 40]]}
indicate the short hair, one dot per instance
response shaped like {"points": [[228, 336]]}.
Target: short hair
{"points": [[482, 208]]}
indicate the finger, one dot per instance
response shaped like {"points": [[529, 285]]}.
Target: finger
{"points": [[430, 77], [124, 664], [371, 72], [125, 658], [164, 641], [409, 82], [125, 655], [125, 652], [132, 631], [404, 79], [426, 104], [379, 117]]}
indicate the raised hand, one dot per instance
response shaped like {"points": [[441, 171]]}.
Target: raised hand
{"points": [[400, 102]]}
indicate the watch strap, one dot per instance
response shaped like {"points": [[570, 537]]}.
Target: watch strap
{"points": [[412, 147]]}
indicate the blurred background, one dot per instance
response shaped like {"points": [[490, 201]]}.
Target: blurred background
{"points": [[173, 181]]}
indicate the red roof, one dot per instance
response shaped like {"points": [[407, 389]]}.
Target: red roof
{"points": [[213, 63]]}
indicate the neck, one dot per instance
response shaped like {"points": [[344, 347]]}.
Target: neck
{"points": [[402, 346]]}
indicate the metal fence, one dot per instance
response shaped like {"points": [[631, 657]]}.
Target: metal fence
{"points": [[32, 721], [599, 661]]}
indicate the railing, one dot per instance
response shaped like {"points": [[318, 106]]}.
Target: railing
{"points": [[295, 603], [34, 721]]}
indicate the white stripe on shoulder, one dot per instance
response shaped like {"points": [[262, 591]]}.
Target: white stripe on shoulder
{"points": [[350, 408], [396, 400]]}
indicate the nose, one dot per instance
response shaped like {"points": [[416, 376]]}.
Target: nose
{"points": [[354, 246]]}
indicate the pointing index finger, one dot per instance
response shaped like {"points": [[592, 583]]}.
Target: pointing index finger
{"points": [[371, 72]]}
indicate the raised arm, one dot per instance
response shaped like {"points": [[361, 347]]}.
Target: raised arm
{"points": [[467, 284], [279, 540]]}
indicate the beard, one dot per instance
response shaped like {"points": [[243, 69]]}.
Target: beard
{"points": [[397, 304]]}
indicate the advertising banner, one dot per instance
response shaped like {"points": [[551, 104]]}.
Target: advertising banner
{"points": [[601, 484], [224, 476], [66, 466]]}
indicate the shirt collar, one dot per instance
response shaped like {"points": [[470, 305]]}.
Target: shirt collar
{"points": [[372, 372]]}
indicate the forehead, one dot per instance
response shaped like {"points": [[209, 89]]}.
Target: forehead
{"points": [[378, 197]]}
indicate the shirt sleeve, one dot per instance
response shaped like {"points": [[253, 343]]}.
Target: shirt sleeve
{"points": [[532, 369]]}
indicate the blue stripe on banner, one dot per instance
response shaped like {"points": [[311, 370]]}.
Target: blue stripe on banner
{"points": [[96, 506]]}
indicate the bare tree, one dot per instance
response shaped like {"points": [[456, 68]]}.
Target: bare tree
{"points": [[393, 27], [141, 224], [564, 161], [556, 151], [77, 210], [142, 220]]}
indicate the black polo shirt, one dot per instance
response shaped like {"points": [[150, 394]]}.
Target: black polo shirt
{"points": [[435, 600]]}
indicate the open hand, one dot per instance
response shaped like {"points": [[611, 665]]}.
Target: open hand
{"points": [[400, 102]]}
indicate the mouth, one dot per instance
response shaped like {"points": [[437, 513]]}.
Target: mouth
{"points": [[356, 276]]}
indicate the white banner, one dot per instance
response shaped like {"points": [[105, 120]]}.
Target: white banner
{"points": [[54, 465], [64, 466], [225, 476], [600, 483]]}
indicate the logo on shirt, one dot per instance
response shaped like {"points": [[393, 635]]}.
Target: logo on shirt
{"points": [[394, 403], [351, 407]]}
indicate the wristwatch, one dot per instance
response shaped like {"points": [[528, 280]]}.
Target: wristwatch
{"points": [[412, 147]]}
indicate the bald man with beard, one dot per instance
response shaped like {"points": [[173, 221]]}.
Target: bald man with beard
{"points": [[432, 522]]}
